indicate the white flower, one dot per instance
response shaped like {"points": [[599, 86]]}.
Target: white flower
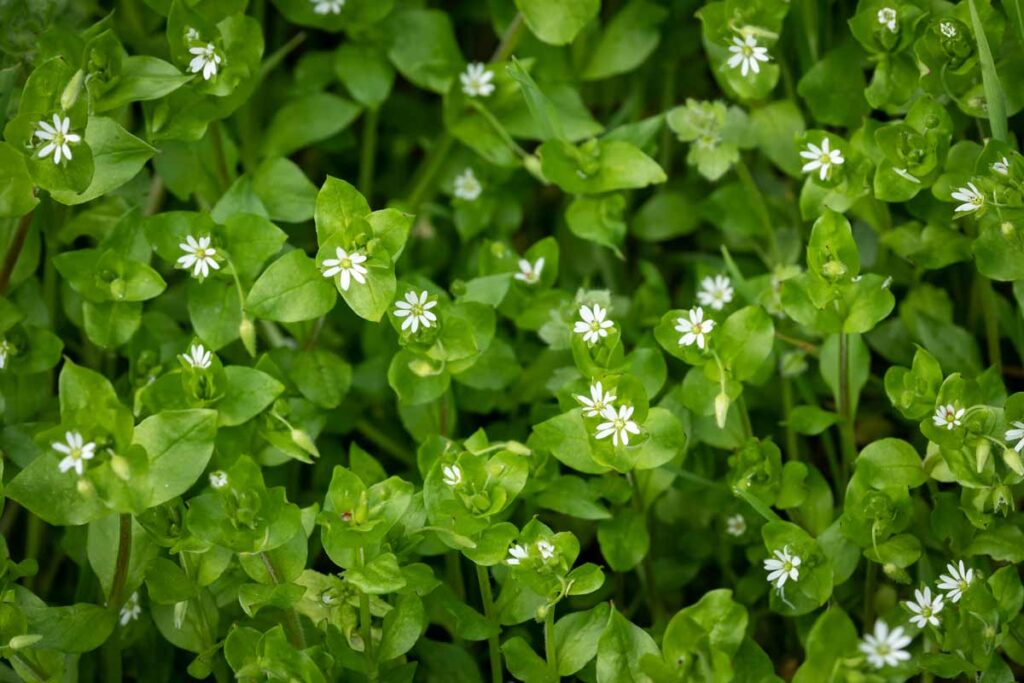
{"points": [[598, 401], [736, 525], [956, 581], [783, 567], [971, 197], [530, 273], [327, 6], [887, 18], [327, 598], [467, 187], [218, 479], [1002, 167], [199, 256], [822, 159], [205, 59], [905, 174], [948, 416], [57, 137], [5, 350], [476, 80], [517, 554], [452, 475], [197, 357], [885, 647], [346, 266], [619, 425], [131, 610], [746, 54], [695, 329], [546, 549], [925, 608], [1015, 434], [592, 324], [75, 451], [191, 34], [416, 311], [715, 292], [948, 29]]}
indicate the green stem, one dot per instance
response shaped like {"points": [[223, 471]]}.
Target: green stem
{"points": [[33, 543], [988, 305], [366, 627], [272, 62], [156, 195], [870, 580], [654, 605], [28, 664], [792, 446], [424, 179], [509, 39], [219, 158], [292, 625], [384, 441], [550, 647], [14, 251], [760, 206], [368, 153], [759, 506], [748, 430], [847, 438], [668, 95], [493, 646], [124, 555]]}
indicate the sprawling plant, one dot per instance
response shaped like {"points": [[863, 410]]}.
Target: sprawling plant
{"points": [[386, 340]]}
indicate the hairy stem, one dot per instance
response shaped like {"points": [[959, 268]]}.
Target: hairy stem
{"points": [[14, 251], [493, 646], [550, 647], [368, 153], [366, 628], [292, 625], [124, 555]]}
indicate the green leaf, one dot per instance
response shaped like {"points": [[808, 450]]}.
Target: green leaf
{"points": [[379, 576], [117, 155], [306, 120], [576, 637], [290, 290], [424, 49], [248, 393], [179, 444], [17, 195], [621, 651], [284, 190], [890, 462], [995, 97], [628, 39], [558, 23], [624, 539]]}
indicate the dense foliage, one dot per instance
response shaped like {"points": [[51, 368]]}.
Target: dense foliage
{"points": [[644, 340]]}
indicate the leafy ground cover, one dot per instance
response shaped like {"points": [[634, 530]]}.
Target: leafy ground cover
{"points": [[635, 340]]}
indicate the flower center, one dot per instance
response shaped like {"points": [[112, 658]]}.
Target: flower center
{"points": [[883, 649], [595, 326], [950, 417], [747, 51], [619, 424], [926, 612], [825, 160], [202, 254], [417, 310], [787, 566], [346, 263]]}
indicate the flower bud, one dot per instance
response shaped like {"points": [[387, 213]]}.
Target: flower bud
{"points": [[118, 287], [981, 453], [301, 439], [721, 409], [23, 641], [85, 488], [1012, 460], [247, 331], [119, 464], [72, 90]]}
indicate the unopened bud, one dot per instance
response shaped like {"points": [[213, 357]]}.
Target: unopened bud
{"points": [[119, 464], [118, 288], [1012, 459], [72, 90], [981, 453], [247, 331], [721, 409], [303, 441], [23, 641]]}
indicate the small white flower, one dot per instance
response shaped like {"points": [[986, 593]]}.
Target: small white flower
{"points": [[821, 159], [476, 80], [530, 272], [199, 256], [5, 351], [327, 598], [546, 549], [75, 451], [598, 401], [887, 282], [715, 292], [131, 610], [467, 187], [191, 34], [736, 525], [197, 357], [948, 416], [218, 479], [925, 608], [618, 426], [346, 266], [327, 6], [885, 647], [948, 29], [956, 581], [592, 324], [1015, 434], [57, 137], [971, 197], [695, 329], [205, 59], [517, 554], [783, 567], [416, 311], [1002, 167], [746, 54], [887, 18], [905, 174], [452, 475]]}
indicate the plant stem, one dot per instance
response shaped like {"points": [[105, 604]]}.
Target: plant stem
{"points": [[509, 39], [368, 153], [760, 206], [988, 305], [792, 446], [366, 627], [14, 251], [654, 605], [846, 434], [155, 198], [748, 429], [272, 62], [550, 647], [33, 543], [384, 441], [124, 556], [668, 95], [870, 579], [487, 597], [219, 159], [292, 625]]}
